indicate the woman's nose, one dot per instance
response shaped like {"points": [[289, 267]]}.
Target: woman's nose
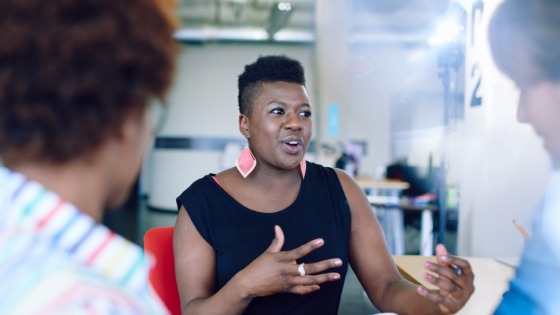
{"points": [[292, 121]]}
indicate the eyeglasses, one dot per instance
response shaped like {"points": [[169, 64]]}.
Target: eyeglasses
{"points": [[158, 110]]}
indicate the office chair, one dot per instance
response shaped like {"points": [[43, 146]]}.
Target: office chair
{"points": [[159, 242]]}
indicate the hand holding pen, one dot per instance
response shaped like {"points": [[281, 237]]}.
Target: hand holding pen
{"points": [[453, 276]]}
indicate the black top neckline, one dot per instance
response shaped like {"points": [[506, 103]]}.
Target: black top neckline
{"points": [[241, 207]]}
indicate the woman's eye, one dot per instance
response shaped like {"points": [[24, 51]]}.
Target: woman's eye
{"points": [[278, 111], [305, 113]]}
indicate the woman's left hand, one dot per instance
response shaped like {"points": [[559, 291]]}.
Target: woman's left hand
{"points": [[453, 276]]}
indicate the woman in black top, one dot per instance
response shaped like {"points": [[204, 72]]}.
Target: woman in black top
{"points": [[318, 219]]}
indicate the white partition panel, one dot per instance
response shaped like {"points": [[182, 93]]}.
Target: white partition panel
{"points": [[176, 170]]}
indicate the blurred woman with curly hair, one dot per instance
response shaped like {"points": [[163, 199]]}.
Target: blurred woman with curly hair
{"points": [[76, 81]]}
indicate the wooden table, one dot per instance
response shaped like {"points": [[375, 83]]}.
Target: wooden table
{"points": [[368, 182], [491, 280]]}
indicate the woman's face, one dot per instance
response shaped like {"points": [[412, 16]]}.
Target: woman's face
{"points": [[280, 126], [130, 146], [539, 106]]}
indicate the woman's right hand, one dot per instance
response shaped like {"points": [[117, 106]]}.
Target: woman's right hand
{"points": [[276, 271]]}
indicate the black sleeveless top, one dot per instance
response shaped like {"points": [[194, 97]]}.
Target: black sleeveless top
{"points": [[239, 235]]}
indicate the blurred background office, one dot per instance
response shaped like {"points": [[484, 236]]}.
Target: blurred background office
{"points": [[408, 82]]}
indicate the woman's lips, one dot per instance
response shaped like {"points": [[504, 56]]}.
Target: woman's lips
{"points": [[292, 145], [292, 148]]}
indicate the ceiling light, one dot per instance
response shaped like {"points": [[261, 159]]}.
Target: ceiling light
{"points": [[279, 16]]}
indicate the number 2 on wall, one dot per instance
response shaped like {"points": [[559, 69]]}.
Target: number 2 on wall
{"points": [[476, 73], [476, 99]]}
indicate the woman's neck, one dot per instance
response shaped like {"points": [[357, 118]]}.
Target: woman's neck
{"points": [[262, 191]]}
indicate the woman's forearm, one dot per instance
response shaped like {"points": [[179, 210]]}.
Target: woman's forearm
{"points": [[401, 297], [230, 299]]}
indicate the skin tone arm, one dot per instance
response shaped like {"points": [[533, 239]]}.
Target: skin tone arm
{"points": [[274, 271], [376, 270]]}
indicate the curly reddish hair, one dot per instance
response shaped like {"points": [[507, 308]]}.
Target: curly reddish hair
{"points": [[72, 71]]}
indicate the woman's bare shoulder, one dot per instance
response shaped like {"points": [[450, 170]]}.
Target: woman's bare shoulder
{"points": [[346, 180], [229, 176]]}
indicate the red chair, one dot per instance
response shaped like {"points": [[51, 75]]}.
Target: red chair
{"points": [[159, 242]]}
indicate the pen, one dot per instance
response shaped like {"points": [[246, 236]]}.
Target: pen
{"points": [[521, 229]]}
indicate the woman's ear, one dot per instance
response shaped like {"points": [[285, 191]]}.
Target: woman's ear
{"points": [[132, 125], [244, 125]]}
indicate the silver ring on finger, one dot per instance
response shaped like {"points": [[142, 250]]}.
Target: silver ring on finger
{"points": [[458, 271], [301, 270]]}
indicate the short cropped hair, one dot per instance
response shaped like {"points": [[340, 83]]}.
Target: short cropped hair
{"points": [[525, 39], [72, 71], [266, 69]]}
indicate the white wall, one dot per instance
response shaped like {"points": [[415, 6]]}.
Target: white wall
{"points": [[396, 72], [204, 96], [364, 79]]}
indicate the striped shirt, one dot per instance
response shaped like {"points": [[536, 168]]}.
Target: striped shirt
{"points": [[54, 259]]}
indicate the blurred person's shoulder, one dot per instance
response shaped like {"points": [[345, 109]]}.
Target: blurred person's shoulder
{"points": [[38, 279], [56, 260]]}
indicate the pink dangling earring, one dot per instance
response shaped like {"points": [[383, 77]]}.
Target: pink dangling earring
{"points": [[246, 162], [303, 167]]}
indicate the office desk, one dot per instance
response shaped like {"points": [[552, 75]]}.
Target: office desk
{"points": [[387, 193], [490, 280], [385, 188], [391, 218]]}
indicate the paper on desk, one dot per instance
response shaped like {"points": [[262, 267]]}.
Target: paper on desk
{"points": [[509, 261]]}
